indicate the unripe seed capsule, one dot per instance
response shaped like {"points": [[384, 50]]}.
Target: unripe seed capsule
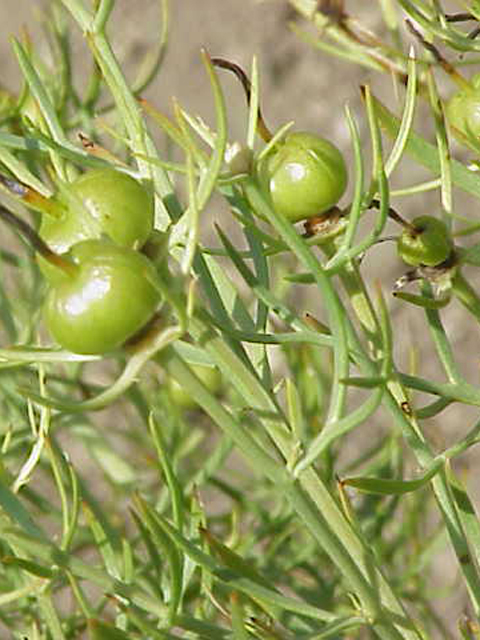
{"points": [[427, 241]]}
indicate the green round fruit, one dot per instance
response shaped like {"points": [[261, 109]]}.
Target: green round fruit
{"points": [[110, 295], [211, 378], [101, 202], [463, 110], [428, 242], [305, 176]]}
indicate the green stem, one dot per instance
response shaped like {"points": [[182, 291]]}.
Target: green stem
{"points": [[103, 13], [141, 144], [442, 344], [395, 397], [466, 294], [332, 301], [51, 555], [309, 497]]}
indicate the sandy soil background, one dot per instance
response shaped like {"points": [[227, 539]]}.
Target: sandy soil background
{"points": [[298, 83]]}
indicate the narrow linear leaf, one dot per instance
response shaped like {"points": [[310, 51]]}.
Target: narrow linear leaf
{"points": [[15, 510], [425, 153], [385, 486]]}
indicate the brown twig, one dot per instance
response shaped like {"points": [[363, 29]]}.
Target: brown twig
{"points": [[39, 245], [31, 197], [333, 9], [439, 58], [262, 128], [459, 17], [394, 215]]}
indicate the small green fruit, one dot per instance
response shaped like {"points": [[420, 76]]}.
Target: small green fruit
{"points": [[109, 296], [428, 242], [211, 378], [463, 110], [305, 175], [101, 202]]}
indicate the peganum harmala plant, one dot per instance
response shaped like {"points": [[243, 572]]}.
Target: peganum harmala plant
{"points": [[229, 513]]}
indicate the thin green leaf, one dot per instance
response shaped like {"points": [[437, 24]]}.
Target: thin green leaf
{"points": [[408, 113], [426, 154], [154, 523], [15, 510], [386, 486]]}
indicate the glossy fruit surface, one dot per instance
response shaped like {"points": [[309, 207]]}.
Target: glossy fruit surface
{"points": [[211, 378], [101, 202], [305, 175], [109, 297], [463, 109], [430, 244]]}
